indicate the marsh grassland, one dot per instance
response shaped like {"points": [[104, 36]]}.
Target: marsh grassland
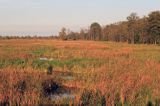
{"points": [[84, 73]]}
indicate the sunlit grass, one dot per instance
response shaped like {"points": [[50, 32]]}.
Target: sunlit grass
{"points": [[125, 74]]}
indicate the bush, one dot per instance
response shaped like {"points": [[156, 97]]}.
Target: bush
{"points": [[49, 87], [50, 70]]}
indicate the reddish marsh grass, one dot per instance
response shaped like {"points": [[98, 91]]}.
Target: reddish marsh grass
{"points": [[125, 74]]}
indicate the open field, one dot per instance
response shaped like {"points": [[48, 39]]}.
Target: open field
{"points": [[123, 74]]}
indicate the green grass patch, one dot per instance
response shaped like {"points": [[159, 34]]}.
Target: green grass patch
{"points": [[70, 63], [42, 50], [13, 62]]}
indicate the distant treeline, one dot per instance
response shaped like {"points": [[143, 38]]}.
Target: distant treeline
{"points": [[134, 30], [28, 37]]}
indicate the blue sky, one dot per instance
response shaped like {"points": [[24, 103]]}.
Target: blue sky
{"points": [[46, 17]]}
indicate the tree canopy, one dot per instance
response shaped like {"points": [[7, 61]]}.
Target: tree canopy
{"points": [[134, 30]]}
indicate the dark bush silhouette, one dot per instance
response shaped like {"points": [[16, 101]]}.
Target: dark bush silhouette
{"points": [[103, 101], [149, 103], [50, 70], [49, 87], [5, 102]]}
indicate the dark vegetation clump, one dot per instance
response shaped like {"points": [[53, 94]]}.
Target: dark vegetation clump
{"points": [[21, 87], [49, 87], [117, 100], [5, 102], [149, 103], [50, 70], [92, 98]]}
